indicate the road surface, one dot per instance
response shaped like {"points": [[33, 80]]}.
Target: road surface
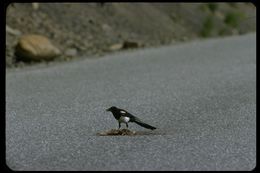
{"points": [[200, 95]]}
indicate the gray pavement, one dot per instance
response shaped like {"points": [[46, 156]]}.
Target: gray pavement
{"points": [[201, 96]]}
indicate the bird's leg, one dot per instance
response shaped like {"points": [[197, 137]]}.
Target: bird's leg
{"points": [[119, 125], [126, 125]]}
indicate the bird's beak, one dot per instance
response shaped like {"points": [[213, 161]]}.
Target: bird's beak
{"points": [[107, 109]]}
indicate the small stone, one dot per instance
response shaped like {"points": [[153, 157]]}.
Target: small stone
{"points": [[35, 5], [106, 27], [12, 31], [116, 47], [184, 38], [125, 45], [131, 44], [71, 52]]}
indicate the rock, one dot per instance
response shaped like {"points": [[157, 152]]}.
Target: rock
{"points": [[184, 38], [35, 5], [130, 44], [12, 31], [106, 27], [71, 52], [116, 47], [35, 48], [8, 58], [220, 15], [125, 45], [116, 132]]}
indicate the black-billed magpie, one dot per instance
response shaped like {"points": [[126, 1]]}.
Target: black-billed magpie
{"points": [[123, 116]]}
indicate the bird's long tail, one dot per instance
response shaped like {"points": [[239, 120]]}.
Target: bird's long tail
{"points": [[139, 122]]}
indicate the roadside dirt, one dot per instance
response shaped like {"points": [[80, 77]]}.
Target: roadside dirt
{"points": [[95, 29]]}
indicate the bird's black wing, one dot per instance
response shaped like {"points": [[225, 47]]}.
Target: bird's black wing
{"points": [[127, 114], [140, 122], [135, 119]]}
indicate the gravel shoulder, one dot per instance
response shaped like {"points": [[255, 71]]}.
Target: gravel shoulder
{"points": [[93, 29]]}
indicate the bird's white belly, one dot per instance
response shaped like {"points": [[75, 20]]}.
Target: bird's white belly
{"points": [[124, 119]]}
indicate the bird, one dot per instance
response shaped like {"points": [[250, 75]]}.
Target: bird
{"points": [[122, 116]]}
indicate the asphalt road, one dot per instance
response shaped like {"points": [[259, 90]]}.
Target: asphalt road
{"points": [[201, 96]]}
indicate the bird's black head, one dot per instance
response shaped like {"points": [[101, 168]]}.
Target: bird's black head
{"points": [[113, 108]]}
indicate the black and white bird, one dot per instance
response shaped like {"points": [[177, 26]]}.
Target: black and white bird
{"points": [[122, 116]]}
